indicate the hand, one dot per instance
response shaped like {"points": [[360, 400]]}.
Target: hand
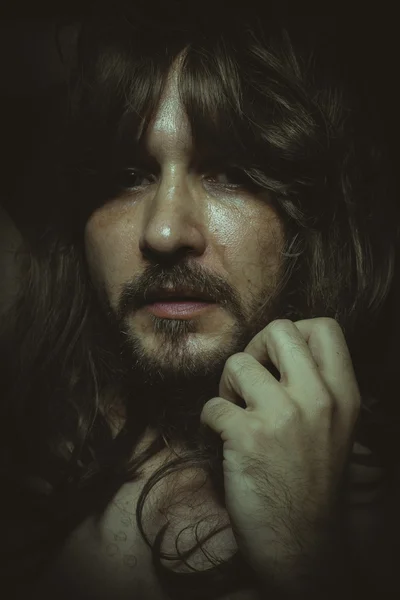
{"points": [[284, 453]]}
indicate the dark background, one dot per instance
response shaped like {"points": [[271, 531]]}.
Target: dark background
{"points": [[32, 78]]}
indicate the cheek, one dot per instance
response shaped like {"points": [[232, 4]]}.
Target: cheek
{"points": [[251, 239], [272, 239], [109, 251]]}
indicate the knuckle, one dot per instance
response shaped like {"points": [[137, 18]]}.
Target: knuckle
{"points": [[292, 413], [287, 418], [215, 408], [281, 333], [236, 362], [329, 321], [279, 324], [275, 329], [328, 324], [324, 403]]}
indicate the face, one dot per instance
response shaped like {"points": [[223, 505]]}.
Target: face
{"points": [[186, 229]]}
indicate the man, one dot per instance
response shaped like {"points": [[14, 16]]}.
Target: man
{"points": [[192, 274]]}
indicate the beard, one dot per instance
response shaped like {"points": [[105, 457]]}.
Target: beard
{"points": [[166, 388]]}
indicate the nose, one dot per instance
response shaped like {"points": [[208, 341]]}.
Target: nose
{"points": [[174, 222]]}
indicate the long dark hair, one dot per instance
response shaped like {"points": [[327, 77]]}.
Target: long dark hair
{"points": [[274, 99]]}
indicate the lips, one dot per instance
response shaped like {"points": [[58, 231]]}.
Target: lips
{"points": [[175, 309], [176, 296], [180, 299]]}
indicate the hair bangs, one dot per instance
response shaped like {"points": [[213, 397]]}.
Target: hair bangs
{"points": [[211, 93], [245, 109]]}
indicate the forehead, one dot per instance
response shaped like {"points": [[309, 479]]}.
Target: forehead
{"points": [[191, 119], [169, 130]]}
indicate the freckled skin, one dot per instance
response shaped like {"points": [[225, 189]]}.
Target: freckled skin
{"points": [[231, 234]]}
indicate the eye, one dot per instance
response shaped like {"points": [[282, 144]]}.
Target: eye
{"points": [[132, 178], [231, 177]]}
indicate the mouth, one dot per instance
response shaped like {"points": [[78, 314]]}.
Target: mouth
{"points": [[176, 306]]}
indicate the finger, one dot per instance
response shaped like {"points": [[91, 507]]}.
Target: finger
{"points": [[328, 347], [246, 382], [322, 356], [283, 344], [220, 415]]}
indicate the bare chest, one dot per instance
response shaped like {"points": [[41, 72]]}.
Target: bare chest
{"points": [[110, 559]]}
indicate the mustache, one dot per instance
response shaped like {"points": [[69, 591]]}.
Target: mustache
{"points": [[137, 292]]}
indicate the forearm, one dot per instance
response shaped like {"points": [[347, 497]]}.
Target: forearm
{"points": [[325, 573], [329, 585]]}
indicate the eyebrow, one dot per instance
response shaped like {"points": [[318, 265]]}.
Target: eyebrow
{"points": [[130, 148], [136, 151]]}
